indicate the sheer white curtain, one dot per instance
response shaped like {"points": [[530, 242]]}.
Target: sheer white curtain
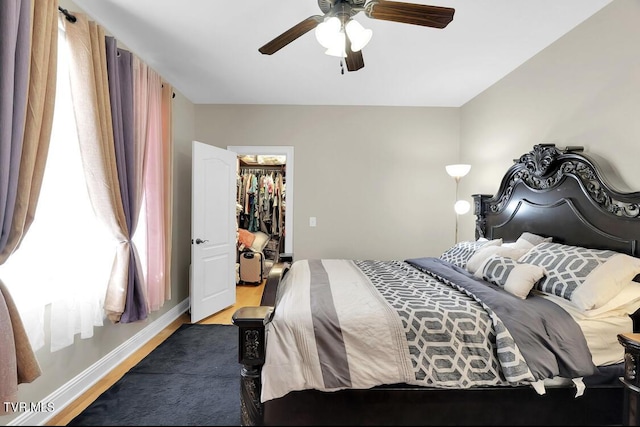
{"points": [[65, 259]]}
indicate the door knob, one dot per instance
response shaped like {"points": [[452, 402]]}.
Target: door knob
{"points": [[199, 240]]}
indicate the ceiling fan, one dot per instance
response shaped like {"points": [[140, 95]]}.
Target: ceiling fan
{"points": [[344, 37]]}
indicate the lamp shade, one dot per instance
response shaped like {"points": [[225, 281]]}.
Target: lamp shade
{"points": [[327, 32], [458, 170], [338, 46], [358, 35], [462, 207]]}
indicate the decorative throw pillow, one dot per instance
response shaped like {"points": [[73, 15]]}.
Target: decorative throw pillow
{"points": [[566, 266], [245, 238], [514, 277], [519, 244], [605, 282], [482, 254], [460, 253], [534, 239], [260, 241]]}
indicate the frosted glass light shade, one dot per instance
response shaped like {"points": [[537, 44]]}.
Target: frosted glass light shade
{"points": [[327, 31], [462, 207], [338, 46], [458, 170], [358, 35]]}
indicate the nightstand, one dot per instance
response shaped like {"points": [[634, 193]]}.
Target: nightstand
{"points": [[631, 379]]}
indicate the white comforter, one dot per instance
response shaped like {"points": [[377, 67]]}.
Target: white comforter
{"points": [[375, 352]]}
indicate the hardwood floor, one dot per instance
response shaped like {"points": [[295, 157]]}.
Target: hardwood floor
{"points": [[246, 295]]}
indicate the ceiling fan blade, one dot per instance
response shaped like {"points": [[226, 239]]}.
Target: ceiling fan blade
{"points": [[354, 60], [410, 13], [291, 34]]}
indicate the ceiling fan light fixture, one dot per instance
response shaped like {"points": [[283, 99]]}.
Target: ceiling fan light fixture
{"points": [[327, 31], [358, 35], [338, 13], [338, 46]]}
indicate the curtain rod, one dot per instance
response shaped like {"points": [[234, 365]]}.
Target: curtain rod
{"points": [[67, 14], [71, 18]]}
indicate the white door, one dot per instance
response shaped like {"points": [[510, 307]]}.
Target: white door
{"points": [[212, 284]]}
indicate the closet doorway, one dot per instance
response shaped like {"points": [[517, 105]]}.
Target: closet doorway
{"points": [[274, 162]]}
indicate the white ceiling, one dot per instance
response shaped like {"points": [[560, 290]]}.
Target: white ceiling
{"points": [[208, 49]]}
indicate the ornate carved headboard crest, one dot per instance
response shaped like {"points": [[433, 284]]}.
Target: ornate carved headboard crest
{"points": [[545, 167]]}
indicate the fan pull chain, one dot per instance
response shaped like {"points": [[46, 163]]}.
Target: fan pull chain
{"points": [[341, 67]]}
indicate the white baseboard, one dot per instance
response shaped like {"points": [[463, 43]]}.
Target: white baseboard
{"points": [[73, 389]]}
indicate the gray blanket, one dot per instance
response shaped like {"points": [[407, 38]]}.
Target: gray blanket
{"points": [[551, 342]]}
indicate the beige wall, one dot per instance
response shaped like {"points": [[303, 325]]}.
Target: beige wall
{"points": [[372, 176], [183, 135], [582, 90]]}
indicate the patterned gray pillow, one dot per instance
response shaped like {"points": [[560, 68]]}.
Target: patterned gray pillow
{"points": [[460, 253], [496, 270], [515, 277], [566, 266]]}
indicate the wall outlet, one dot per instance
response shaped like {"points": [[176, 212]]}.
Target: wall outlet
{"points": [[312, 221]]}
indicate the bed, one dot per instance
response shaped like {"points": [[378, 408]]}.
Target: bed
{"points": [[517, 327]]}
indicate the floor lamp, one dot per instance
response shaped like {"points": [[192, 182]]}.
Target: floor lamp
{"points": [[461, 207]]}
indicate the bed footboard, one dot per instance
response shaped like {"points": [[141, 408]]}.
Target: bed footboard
{"points": [[251, 323], [251, 354]]}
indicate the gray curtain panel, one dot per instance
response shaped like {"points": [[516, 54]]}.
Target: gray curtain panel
{"points": [[15, 54], [120, 74]]}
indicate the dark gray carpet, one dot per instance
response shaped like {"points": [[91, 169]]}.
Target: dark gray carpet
{"points": [[192, 378]]}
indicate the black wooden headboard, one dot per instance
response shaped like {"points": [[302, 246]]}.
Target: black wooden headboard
{"points": [[560, 193]]}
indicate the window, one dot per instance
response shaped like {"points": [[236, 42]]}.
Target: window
{"points": [[65, 259]]}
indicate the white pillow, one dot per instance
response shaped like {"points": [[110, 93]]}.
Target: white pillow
{"points": [[605, 282], [522, 279], [518, 244], [623, 304], [534, 239], [260, 241], [481, 255], [527, 241]]}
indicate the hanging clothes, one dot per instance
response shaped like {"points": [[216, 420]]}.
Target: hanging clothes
{"points": [[261, 193]]}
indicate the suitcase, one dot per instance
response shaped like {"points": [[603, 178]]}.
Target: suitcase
{"points": [[251, 267]]}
